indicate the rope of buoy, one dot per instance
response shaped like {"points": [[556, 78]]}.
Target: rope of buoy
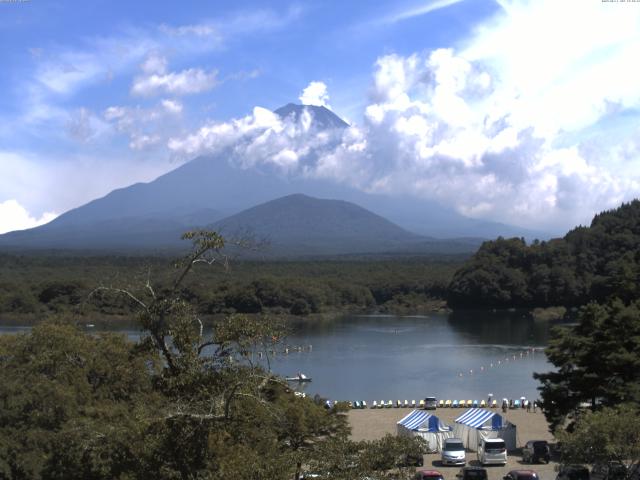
{"points": [[514, 357]]}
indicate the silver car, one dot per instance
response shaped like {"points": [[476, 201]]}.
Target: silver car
{"points": [[492, 450], [453, 452]]}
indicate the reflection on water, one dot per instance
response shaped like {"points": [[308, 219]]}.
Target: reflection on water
{"points": [[463, 355]]}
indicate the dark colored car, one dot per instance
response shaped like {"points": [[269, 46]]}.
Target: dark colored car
{"points": [[430, 403], [609, 471], [573, 472], [472, 473], [428, 475], [536, 451], [521, 475]]}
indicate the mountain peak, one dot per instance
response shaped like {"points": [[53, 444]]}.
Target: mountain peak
{"points": [[322, 116]]}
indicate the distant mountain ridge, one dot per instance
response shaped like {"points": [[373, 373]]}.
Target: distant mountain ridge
{"points": [[306, 225], [292, 226], [209, 189]]}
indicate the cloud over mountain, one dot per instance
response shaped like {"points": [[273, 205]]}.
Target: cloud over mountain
{"points": [[315, 94], [511, 110], [487, 127]]}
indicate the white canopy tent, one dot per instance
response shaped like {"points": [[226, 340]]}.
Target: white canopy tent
{"points": [[478, 423], [422, 424]]}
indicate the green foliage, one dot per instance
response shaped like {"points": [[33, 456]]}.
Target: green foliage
{"points": [[343, 459], [595, 263], [292, 288], [596, 362], [609, 435], [179, 404], [73, 405]]}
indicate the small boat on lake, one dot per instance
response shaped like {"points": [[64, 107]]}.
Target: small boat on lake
{"points": [[300, 377]]}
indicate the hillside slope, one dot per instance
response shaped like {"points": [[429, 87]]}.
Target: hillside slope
{"points": [[588, 263]]}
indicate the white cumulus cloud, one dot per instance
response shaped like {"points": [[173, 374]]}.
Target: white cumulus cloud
{"points": [[14, 216], [514, 124], [315, 94]]}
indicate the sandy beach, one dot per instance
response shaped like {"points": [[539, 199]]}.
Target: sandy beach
{"points": [[372, 424]]}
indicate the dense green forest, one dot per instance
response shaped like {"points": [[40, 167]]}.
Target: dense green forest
{"points": [[36, 285], [592, 263], [101, 407], [598, 262]]}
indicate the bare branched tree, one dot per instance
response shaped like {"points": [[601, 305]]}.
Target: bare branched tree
{"points": [[205, 371]]}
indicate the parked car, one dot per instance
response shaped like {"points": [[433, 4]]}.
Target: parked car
{"points": [[535, 451], [453, 452], [472, 473], [609, 471], [428, 475], [430, 403], [492, 451], [521, 475], [573, 472]]}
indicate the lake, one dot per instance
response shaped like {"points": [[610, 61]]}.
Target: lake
{"points": [[462, 355]]}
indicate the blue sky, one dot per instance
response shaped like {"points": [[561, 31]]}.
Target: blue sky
{"points": [[516, 111]]}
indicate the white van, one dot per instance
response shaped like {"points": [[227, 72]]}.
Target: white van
{"points": [[453, 452], [492, 451]]}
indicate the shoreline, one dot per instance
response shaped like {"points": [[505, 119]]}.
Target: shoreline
{"points": [[439, 307], [14, 319]]}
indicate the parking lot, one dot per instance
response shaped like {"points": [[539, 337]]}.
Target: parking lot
{"points": [[372, 424]]}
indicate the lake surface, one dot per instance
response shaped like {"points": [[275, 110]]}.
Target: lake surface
{"points": [[463, 355]]}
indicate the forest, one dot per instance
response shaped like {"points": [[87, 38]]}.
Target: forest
{"points": [[33, 286], [102, 407], [594, 263]]}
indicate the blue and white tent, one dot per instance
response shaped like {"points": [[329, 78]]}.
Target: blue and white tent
{"points": [[478, 423], [423, 424]]}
